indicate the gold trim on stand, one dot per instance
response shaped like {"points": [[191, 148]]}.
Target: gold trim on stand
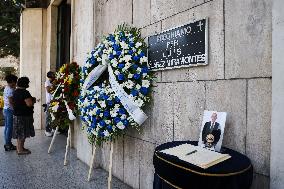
{"points": [[168, 182], [203, 174]]}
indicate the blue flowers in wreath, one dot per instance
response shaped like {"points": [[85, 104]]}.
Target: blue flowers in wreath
{"points": [[115, 85]]}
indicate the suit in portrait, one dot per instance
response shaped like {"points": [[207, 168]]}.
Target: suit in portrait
{"points": [[215, 131]]}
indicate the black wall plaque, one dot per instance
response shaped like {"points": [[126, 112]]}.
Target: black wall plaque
{"points": [[183, 46]]}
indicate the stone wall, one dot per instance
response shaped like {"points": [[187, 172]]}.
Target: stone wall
{"points": [[8, 62], [277, 132], [83, 42], [32, 55], [237, 80]]}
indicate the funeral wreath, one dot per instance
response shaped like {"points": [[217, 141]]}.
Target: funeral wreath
{"points": [[115, 85], [63, 106]]}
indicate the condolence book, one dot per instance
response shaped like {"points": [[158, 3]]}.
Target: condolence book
{"points": [[197, 155]]}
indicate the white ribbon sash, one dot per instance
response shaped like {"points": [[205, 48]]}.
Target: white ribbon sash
{"points": [[134, 111], [70, 112], [94, 75], [53, 94]]}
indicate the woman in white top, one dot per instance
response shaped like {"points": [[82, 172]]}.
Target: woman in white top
{"points": [[8, 111], [48, 87]]}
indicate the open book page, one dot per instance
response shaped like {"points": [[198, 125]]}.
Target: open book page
{"points": [[196, 155], [180, 150]]}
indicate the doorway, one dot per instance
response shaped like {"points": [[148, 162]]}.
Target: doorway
{"points": [[63, 34]]}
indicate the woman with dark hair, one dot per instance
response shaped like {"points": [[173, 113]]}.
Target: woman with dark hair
{"points": [[23, 115], [8, 111]]}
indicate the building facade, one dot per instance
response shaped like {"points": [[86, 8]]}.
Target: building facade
{"points": [[245, 45]]}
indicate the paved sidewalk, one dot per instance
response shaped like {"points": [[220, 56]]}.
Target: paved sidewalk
{"points": [[42, 170]]}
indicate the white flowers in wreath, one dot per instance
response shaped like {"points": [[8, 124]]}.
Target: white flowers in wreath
{"points": [[104, 109]]}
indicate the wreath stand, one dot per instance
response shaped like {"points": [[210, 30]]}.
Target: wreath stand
{"points": [[109, 167], [52, 141], [68, 143]]}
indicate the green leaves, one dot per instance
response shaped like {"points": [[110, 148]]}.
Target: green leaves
{"points": [[126, 27], [10, 11]]}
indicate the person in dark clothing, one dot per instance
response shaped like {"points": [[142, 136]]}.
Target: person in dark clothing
{"points": [[23, 115], [211, 132]]}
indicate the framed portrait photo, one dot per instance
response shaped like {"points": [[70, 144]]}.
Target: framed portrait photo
{"points": [[212, 130]]}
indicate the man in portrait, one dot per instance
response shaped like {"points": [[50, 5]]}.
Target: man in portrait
{"points": [[211, 132]]}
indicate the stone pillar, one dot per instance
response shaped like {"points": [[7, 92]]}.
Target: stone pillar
{"points": [[277, 131], [51, 40], [31, 50], [82, 43], [43, 64]]}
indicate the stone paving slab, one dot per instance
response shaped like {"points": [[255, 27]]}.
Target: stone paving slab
{"points": [[42, 170]]}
